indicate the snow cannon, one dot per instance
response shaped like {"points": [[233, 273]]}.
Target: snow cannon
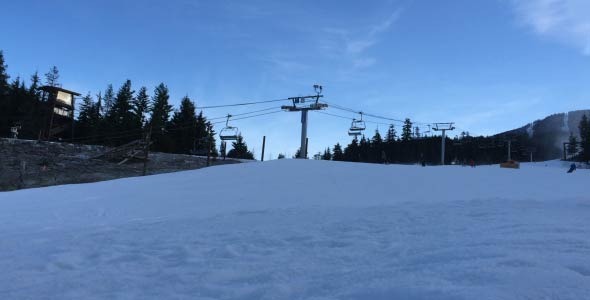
{"points": [[511, 164]]}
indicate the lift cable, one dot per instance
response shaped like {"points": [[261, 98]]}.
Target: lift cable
{"points": [[371, 114], [242, 104]]}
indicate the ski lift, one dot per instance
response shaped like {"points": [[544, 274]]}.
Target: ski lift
{"points": [[228, 133], [357, 125]]}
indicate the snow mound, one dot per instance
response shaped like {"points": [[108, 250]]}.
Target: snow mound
{"points": [[296, 229]]}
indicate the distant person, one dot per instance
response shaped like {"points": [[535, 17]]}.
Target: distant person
{"points": [[572, 168], [423, 162], [472, 163]]}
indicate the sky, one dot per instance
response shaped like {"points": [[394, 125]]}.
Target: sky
{"points": [[488, 66]]}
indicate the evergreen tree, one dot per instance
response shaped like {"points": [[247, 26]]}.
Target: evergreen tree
{"points": [[3, 75], [120, 117], [407, 130], [17, 106], [4, 100], [52, 77], [108, 99], [183, 126], [351, 152], [572, 148], [159, 119], [240, 149], [140, 106], [376, 139], [585, 138], [338, 155], [327, 155], [161, 109], [391, 134], [84, 124], [377, 149], [202, 135], [34, 88], [35, 112]]}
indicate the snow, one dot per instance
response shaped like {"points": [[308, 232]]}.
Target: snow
{"points": [[296, 229]]}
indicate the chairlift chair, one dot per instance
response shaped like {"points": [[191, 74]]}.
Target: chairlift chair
{"points": [[228, 133], [354, 133], [358, 125]]}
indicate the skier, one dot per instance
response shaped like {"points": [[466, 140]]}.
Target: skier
{"points": [[572, 168]]}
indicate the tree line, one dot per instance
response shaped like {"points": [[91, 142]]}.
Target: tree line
{"points": [[114, 117], [411, 147]]}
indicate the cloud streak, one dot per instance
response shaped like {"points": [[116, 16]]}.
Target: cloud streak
{"points": [[567, 21], [352, 44]]}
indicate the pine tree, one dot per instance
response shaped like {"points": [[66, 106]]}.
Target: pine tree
{"points": [[84, 126], [159, 118], [35, 112], [183, 126], [120, 117], [202, 135], [4, 100], [140, 106], [351, 152], [3, 75], [585, 138], [240, 149], [338, 155], [572, 148], [34, 88], [16, 104], [161, 109], [376, 139], [108, 99], [391, 135], [327, 155], [52, 77], [407, 130]]}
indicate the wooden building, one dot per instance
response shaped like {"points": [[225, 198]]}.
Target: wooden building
{"points": [[59, 105]]}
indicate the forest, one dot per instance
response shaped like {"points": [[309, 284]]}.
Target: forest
{"points": [[113, 117]]}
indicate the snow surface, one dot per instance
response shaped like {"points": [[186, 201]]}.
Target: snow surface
{"points": [[295, 229]]}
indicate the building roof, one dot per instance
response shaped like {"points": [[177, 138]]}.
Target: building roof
{"points": [[49, 88]]}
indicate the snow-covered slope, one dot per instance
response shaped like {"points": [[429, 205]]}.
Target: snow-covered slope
{"points": [[293, 229]]}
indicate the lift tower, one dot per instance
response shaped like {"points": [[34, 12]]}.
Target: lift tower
{"points": [[305, 104], [443, 127]]}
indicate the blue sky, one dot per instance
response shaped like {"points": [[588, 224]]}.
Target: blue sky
{"points": [[487, 65]]}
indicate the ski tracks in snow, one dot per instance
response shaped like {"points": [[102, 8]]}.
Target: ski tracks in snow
{"points": [[485, 249]]}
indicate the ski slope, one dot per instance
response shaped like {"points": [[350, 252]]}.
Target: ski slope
{"points": [[293, 229]]}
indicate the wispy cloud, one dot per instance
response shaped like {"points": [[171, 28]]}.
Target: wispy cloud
{"points": [[351, 46], [355, 41], [565, 20]]}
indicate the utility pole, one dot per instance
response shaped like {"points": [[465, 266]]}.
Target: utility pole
{"points": [[443, 127], [299, 104], [509, 144], [263, 144]]}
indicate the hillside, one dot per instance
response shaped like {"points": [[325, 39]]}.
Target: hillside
{"points": [[549, 134], [298, 229]]}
